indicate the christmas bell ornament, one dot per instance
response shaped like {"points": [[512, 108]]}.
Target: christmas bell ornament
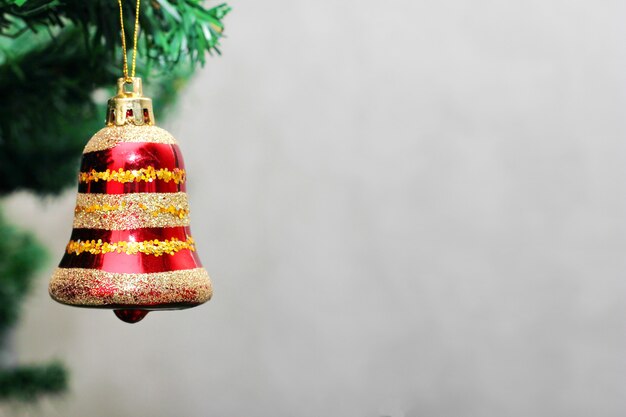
{"points": [[131, 249]]}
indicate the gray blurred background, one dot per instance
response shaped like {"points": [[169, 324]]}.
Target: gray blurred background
{"points": [[408, 208]]}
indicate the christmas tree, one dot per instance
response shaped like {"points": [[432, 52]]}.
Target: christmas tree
{"points": [[58, 62]]}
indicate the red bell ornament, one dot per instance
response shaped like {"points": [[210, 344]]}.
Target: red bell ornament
{"points": [[131, 249]]}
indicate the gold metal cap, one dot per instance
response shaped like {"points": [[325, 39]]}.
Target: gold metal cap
{"points": [[129, 107]]}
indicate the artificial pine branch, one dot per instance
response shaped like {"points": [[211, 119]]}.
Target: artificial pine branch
{"points": [[50, 113], [172, 30], [28, 383], [21, 256]]}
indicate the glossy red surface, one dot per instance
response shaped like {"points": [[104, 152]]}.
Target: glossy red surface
{"points": [[133, 156], [132, 264]]}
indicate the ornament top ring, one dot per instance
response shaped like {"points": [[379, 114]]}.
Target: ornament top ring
{"points": [[129, 106], [131, 248]]}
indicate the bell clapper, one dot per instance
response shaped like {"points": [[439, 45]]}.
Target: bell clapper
{"points": [[131, 315]]}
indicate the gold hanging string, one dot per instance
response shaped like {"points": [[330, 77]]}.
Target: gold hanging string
{"points": [[135, 36]]}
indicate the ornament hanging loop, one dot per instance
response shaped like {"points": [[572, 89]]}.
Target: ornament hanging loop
{"points": [[128, 79], [122, 87]]}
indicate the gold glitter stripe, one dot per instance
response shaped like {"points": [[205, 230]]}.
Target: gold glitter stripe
{"points": [[95, 288], [110, 136], [148, 174], [149, 247], [131, 211]]}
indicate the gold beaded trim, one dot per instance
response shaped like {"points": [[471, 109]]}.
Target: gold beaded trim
{"points": [[149, 247], [148, 174], [131, 211], [98, 208], [75, 286], [176, 212]]}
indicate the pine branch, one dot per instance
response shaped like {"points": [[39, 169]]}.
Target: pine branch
{"points": [[21, 256], [171, 30], [50, 115], [27, 383]]}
